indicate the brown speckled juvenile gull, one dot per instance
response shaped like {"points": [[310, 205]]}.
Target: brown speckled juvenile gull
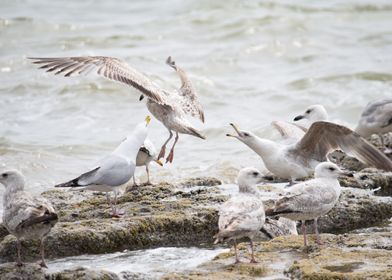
{"points": [[311, 199], [170, 108], [243, 214], [25, 216]]}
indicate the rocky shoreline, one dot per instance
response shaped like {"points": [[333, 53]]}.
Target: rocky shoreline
{"points": [[185, 214]]}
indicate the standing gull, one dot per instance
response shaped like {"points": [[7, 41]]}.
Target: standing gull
{"points": [[243, 214], [298, 159], [25, 216], [376, 118], [170, 108], [115, 169], [147, 153], [311, 199]]}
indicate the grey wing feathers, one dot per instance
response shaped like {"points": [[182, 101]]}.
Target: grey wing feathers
{"points": [[289, 130], [323, 137], [109, 67], [187, 94]]}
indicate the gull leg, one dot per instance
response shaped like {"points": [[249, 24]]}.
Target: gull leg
{"points": [[108, 199], [42, 248], [116, 212], [317, 232], [171, 154], [235, 251], [252, 260], [386, 150], [18, 248], [134, 180], [303, 229], [148, 175], [163, 149]]}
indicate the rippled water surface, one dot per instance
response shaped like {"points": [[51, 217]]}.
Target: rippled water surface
{"points": [[251, 62]]}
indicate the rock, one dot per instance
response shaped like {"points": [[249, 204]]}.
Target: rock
{"points": [[32, 271], [348, 256], [29, 271], [82, 273], [200, 181]]}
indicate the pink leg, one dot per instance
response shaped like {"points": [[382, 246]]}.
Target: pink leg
{"points": [[303, 229], [42, 263], [148, 175], [171, 154], [116, 213], [18, 248], [252, 260], [317, 232], [163, 149], [237, 260]]}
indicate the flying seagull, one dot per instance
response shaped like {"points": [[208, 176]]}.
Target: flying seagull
{"points": [[311, 199], [298, 159], [243, 214], [170, 108], [25, 216]]}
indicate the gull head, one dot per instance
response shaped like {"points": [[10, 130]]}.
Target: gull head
{"points": [[313, 113], [242, 135], [249, 176], [327, 170], [12, 178]]}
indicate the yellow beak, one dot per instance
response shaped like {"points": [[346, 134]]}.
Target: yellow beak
{"points": [[147, 119], [159, 162]]}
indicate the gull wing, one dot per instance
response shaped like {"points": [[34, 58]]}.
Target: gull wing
{"points": [[323, 137], [109, 67], [289, 130], [187, 95]]}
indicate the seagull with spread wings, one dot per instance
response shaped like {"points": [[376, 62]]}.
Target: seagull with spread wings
{"points": [[170, 108], [297, 159]]}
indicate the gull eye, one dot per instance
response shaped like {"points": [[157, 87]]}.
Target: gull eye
{"points": [[4, 175], [308, 111], [255, 173], [332, 168], [246, 134]]}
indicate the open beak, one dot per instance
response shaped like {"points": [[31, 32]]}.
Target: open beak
{"points": [[297, 118], [159, 162], [236, 130]]}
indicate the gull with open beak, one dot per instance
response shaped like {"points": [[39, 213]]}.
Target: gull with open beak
{"points": [[299, 158], [115, 169]]}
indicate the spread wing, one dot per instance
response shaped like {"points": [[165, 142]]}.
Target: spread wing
{"points": [[323, 137], [187, 95], [108, 67], [289, 130]]}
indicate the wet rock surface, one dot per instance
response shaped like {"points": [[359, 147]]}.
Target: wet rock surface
{"points": [[347, 256]]}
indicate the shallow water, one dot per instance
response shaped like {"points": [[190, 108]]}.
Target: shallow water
{"points": [[251, 62], [144, 264]]}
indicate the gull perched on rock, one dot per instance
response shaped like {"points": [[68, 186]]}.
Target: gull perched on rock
{"points": [[311, 199], [25, 216], [147, 153], [376, 118], [115, 169], [243, 214], [298, 159], [170, 108]]}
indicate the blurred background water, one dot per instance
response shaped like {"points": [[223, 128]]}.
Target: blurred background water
{"points": [[251, 62]]}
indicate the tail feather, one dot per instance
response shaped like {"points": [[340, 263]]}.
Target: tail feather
{"points": [[194, 132], [45, 219], [70, 184]]}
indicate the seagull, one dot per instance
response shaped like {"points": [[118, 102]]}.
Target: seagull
{"points": [[25, 216], [170, 108], [115, 169], [311, 199], [298, 159], [243, 214], [147, 153], [376, 118]]}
